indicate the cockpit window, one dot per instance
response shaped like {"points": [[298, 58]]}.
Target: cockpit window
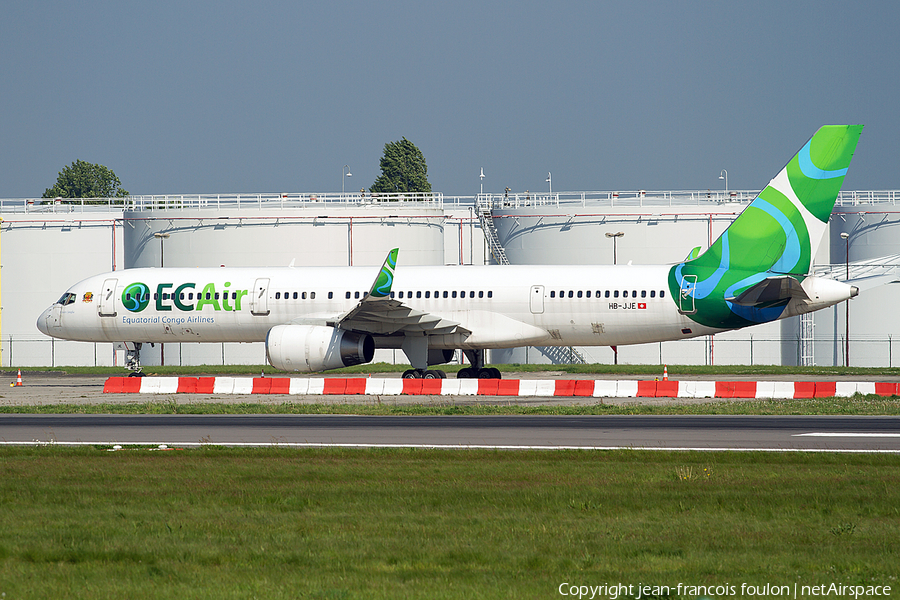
{"points": [[67, 298]]}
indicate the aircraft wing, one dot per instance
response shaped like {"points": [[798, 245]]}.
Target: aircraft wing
{"points": [[391, 316], [378, 313], [769, 292]]}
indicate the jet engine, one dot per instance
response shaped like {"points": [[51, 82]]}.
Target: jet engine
{"points": [[439, 357], [312, 348]]}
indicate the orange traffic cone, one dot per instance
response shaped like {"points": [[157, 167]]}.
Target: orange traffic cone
{"points": [[665, 372], [19, 378]]}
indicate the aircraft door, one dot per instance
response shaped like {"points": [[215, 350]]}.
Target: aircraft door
{"points": [[259, 301], [537, 299], [107, 305], [686, 295], [55, 315]]}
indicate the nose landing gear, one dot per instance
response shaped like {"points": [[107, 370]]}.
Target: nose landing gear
{"points": [[133, 359]]}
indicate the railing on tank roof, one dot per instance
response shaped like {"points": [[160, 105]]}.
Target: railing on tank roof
{"points": [[853, 198], [509, 200], [640, 198], [176, 202], [513, 200]]}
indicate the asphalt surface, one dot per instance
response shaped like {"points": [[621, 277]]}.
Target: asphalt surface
{"points": [[775, 433]]}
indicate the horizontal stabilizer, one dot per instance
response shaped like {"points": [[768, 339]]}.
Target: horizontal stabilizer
{"points": [[693, 254], [769, 292]]}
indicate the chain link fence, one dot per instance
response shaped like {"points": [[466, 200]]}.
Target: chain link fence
{"points": [[874, 351]]}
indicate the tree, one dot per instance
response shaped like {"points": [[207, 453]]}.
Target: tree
{"points": [[86, 180], [403, 169]]}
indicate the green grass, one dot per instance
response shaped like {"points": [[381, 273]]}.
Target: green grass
{"points": [[221, 523], [856, 405], [637, 370]]}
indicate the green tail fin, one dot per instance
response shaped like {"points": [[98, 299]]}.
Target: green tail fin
{"points": [[777, 234]]}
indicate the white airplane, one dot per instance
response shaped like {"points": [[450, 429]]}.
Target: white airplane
{"points": [[318, 318]]}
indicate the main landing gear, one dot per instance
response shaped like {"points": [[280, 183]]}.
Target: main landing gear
{"points": [[427, 374], [477, 370], [416, 350], [484, 373]]}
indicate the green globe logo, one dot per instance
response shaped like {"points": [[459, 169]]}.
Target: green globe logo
{"points": [[136, 297]]}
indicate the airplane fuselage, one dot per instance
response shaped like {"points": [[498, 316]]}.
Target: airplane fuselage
{"points": [[502, 307]]}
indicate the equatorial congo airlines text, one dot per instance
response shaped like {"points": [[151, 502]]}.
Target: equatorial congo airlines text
{"points": [[615, 590], [166, 320]]}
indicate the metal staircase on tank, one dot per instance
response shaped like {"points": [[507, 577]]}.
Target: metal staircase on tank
{"points": [[486, 220], [558, 355], [807, 341]]}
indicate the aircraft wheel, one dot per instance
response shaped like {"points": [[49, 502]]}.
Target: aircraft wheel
{"points": [[411, 374], [137, 374], [429, 374], [442, 374], [465, 373], [489, 373]]}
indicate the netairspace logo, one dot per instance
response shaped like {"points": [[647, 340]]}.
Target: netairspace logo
{"points": [[616, 591]]}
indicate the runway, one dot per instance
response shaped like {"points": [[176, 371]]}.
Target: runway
{"points": [[733, 433]]}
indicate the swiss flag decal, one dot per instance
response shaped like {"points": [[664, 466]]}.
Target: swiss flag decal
{"points": [[642, 305]]}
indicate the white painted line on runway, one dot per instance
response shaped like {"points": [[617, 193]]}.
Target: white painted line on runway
{"points": [[848, 434], [175, 445]]}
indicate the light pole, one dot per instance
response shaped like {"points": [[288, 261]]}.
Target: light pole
{"points": [[345, 172], [846, 237], [162, 263], [724, 175], [161, 237], [615, 237]]}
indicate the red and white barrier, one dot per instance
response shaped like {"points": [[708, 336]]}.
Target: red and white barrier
{"points": [[597, 388]]}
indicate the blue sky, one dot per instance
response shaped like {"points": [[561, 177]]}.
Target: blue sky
{"points": [[277, 96]]}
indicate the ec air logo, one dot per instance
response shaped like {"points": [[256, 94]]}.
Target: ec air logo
{"points": [[136, 297]]}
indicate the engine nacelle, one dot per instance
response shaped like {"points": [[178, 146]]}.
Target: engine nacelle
{"points": [[311, 348], [439, 357]]}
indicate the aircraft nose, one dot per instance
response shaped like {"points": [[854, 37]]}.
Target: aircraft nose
{"points": [[42, 325]]}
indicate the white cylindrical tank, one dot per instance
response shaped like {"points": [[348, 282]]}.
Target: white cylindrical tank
{"points": [[323, 235]]}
